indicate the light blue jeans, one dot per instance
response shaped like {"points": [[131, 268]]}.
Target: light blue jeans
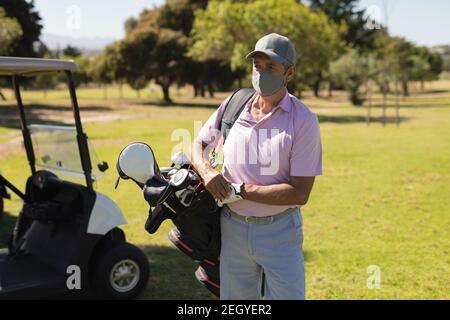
{"points": [[274, 248]]}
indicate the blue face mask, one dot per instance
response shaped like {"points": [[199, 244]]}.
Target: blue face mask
{"points": [[267, 84]]}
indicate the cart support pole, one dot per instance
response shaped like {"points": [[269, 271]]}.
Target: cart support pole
{"points": [[25, 131], [81, 136]]}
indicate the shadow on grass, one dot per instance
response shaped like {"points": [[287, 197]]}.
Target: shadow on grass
{"points": [[162, 103], [425, 92], [358, 119], [426, 104], [172, 275], [38, 114]]}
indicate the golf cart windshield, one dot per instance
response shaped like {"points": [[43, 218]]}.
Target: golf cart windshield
{"points": [[56, 150]]}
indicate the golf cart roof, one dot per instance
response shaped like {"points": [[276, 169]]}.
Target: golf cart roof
{"points": [[10, 66]]}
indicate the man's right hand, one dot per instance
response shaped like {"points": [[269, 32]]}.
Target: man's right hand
{"points": [[216, 184]]}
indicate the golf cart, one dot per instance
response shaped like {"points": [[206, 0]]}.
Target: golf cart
{"points": [[3, 195], [66, 238]]}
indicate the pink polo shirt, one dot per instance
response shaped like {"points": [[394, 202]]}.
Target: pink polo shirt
{"points": [[285, 143]]}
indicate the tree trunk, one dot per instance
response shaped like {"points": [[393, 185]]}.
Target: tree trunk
{"points": [[316, 86], [397, 104], [330, 89], [210, 90], [405, 89], [369, 102], [202, 91], [194, 86], [166, 94], [422, 85], [105, 92], [2, 96], [384, 107]]}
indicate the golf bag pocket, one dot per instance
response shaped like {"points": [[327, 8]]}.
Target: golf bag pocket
{"points": [[209, 276]]}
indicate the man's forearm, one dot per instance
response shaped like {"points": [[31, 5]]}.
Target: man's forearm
{"points": [[277, 194], [198, 159], [214, 182]]}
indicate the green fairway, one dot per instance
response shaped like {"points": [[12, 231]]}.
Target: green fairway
{"points": [[383, 199]]}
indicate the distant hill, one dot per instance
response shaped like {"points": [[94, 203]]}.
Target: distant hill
{"points": [[88, 45], [443, 50]]}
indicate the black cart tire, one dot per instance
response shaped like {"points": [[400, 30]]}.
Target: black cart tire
{"points": [[121, 272]]}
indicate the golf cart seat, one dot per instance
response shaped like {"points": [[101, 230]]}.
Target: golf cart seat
{"points": [[49, 231], [51, 220], [51, 199]]}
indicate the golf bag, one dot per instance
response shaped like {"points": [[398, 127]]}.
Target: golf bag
{"points": [[177, 193]]}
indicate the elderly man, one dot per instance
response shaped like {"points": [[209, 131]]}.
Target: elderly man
{"points": [[272, 154]]}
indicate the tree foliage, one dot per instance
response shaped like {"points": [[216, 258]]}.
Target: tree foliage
{"points": [[30, 22], [350, 71], [10, 33], [353, 21], [228, 30]]}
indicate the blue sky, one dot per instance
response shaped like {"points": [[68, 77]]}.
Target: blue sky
{"points": [[424, 22]]}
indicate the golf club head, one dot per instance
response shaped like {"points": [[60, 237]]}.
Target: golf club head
{"points": [[180, 180], [180, 159], [137, 162]]}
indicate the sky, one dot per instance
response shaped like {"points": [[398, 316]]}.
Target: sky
{"points": [[425, 22]]}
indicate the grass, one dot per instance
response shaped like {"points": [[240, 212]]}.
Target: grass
{"points": [[383, 199]]}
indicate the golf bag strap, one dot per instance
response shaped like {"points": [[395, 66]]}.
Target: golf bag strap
{"points": [[233, 109]]}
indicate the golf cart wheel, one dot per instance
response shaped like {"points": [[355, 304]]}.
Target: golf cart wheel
{"points": [[121, 272]]}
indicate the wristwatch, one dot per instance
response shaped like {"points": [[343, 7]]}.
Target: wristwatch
{"points": [[240, 189]]}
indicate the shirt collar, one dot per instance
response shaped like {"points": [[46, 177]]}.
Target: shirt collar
{"points": [[285, 103]]}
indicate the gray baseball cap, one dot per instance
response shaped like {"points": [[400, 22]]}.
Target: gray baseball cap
{"points": [[277, 47]]}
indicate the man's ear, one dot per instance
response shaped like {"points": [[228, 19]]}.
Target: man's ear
{"points": [[291, 73]]}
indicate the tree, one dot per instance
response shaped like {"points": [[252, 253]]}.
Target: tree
{"points": [[405, 63], [138, 84], [351, 71], [98, 71], [435, 62], [168, 60], [353, 20], [10, 33], [353, 27], [152, 53], [156, 45], [228, 30], [179, 15], [29, 20], [81, 76], [71, 51]]}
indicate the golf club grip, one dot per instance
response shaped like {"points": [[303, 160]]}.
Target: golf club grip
{"points": [[153, 225], [155, 219]]}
